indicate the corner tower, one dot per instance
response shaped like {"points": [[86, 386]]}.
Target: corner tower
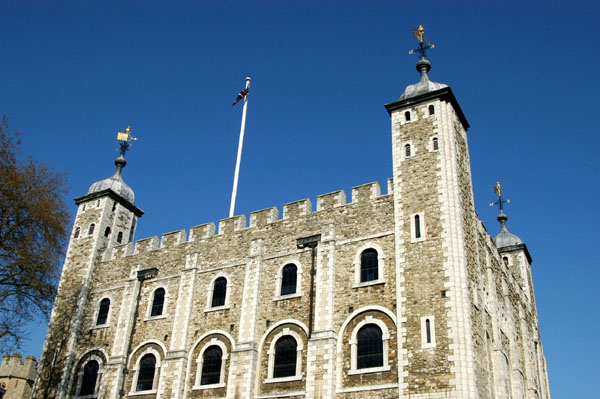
{"points": [[106, 216]]}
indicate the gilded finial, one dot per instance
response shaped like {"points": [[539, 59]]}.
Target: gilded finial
{"points": [[424, 44], [501, 201], [124, 138]]}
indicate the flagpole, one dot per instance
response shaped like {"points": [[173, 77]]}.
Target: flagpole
{"points": [[239, 154]]}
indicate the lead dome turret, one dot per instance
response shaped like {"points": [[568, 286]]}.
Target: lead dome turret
{"points": [[505, 238], [115, 183]]}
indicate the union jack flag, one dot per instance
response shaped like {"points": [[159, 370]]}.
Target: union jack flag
{"points": [[240, 96]]}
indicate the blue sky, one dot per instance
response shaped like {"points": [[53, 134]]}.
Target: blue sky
{"points": [[525, 74]]}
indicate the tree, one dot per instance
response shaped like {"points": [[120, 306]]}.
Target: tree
{"points": [[33, 233]]}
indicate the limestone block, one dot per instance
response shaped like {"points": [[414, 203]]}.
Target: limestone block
{"points": [[232, 224], [264, 217], [293, 210], [172, 239], [331, 200], [202, 232], [366, 192]]}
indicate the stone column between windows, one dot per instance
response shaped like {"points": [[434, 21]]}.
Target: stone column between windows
{"points": [[320, 359], [177, 354], [243, 364]]}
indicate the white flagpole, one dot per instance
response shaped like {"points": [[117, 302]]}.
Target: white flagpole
{"points": [[239, 154]]}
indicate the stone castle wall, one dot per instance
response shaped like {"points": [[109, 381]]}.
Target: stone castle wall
{"points": [[17, 376]]}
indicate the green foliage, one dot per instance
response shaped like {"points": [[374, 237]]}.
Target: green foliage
{"points": [[33, 233]]}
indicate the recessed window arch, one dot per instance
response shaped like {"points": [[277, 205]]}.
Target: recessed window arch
{"points": [[120, 237], [77, 231], [157, 304], [505, 260], [91, 229], [428, 332], [218, 293], [210, 371], [88, 377], [431, 109], [146, 371], [417, 227], [369, 265], [103, 312], [435, 144], [289, 279], [407, 116], [285, 357], [107, 231], [369, 347], [407, 150]]}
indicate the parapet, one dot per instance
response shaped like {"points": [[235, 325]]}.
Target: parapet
{"points": [[172, 239], [13, 367], [264, 217], [331, 200], [202, 232], [296, 209], [366, 192]]}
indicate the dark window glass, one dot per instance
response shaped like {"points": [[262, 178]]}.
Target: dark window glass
{"points": [[370, 347], [431, 110], [90, 375], [103, 312], [369, 265], [407, 150], [76, 235], [428, 330], [407, 116], [219, 292], [120, 237], [107, 232], [505, 260], [91, 230], [114, 206], [158, 302], [285, 357], [417, 226], [289, 277], [145, 380], [435, 144], [211, 366]]}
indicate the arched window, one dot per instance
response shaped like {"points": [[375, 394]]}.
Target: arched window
{"points": [[120, 237], [91, 229], [407, 150], [211, 365], [107, 231], [114, 206], [219, 292], [417, 226], [90, 376], [285, 357], [435, 144], [505, 260], [407, 116], [369, 347], [369, 265], [428, 331], [289, 279], [76, 235], [158, 302], [145, 378], [103, 310], [431, 110]]}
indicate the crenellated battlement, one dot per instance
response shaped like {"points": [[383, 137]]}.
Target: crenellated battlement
{"points": [[292, 211], [13, 366]]}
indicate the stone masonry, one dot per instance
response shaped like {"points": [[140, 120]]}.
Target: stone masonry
{"points": [[17, 376]]}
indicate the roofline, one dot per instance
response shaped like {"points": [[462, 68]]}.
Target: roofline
{"points": [[516, 247], [444, 93], [110, 193]]}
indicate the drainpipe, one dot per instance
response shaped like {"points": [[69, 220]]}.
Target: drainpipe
{"points": [[142, 275], [310, 242]]}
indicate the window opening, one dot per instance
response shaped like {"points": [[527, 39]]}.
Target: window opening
{"points": [[158, 302], [369, 265], [219, 292], [91, 229], [145, 380], [407, 116], [120, 237], [505, 259], [107, 231], [435, 144], [417, 226], [285, 357], [90, 375], [114, 206], [428, 330], [289, 279], [76, 235], [370, 347], [103, 312], [211, 366], [407, 150], [431, 110]]}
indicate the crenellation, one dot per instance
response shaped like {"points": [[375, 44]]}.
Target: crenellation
{"points": [[232, 224], [202, 232], [263, 217], [146, 245], [173, 238], [331, 200], [296, 209], [366, 192]]}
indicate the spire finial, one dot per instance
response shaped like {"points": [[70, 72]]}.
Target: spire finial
{"points": [[424, 44], [124, 138], [502, 217]]}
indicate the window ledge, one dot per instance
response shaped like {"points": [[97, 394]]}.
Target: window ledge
{"points": [[369, 370], [430, 345], [288, 296], [137, 393], [368, 283], [224, 307], [99, 326], [162, 316], [209, 386], [282, 379]]}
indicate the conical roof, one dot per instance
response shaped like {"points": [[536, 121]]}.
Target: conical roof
{"points": [[424, 85], [115, 183], [505, 238]]}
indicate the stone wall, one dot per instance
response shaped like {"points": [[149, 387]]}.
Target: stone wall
{"points": [[17, 376]]}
